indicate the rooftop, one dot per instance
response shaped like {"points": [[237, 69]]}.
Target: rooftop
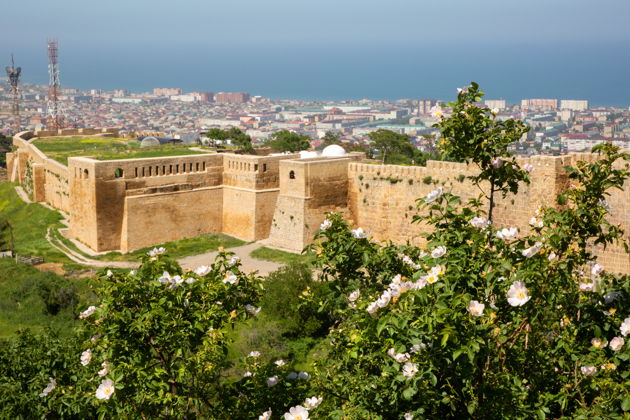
{"points": [[105, 148]]}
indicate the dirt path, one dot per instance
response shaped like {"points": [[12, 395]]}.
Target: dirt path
{"points": [[248, 263]]}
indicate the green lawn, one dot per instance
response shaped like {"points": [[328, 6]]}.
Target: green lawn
{"points": [[104, 148], [182, 248], [23, 290], [30, 223], [281, 257]]}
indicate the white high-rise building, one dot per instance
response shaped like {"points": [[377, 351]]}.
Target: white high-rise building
{"points": [[499, 104], [574, 104]]}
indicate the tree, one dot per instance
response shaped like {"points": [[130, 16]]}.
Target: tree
{"points": [[239, 139], [289, 141], [216, 134], [5, 144], [235, 135], [392, 147], [331, 137]]}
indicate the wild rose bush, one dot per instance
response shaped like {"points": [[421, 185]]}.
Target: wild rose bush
{"points": [[485, 321], [155, 346]]}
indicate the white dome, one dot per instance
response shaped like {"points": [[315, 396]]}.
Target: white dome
{"points": [[149, 141], [333, 151], [304, 154]]}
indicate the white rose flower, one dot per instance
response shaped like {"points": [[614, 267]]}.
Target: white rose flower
{"points": [[495, 111], [86, 357], [165, 278], [233, 261], [190, 280], [156, 251], [49, 388], [109, 273], [230, 278], [598, 343], [273, 381], [625, 327], [105, 389], [247, 374], [530, 252], [372, 308], [280, 362], [437, 111], [354, 295], [420, 283], [252, 309], [399, 357], [616, 343], [479, 222], [537, 223], [552, 256], [384, 299], [587, 287], [296, 413], [408, 416], [517, 294], [475, 308], [417, 347], [359, 233], [254, 354], [105, 369], [89, 311], [507, 234], [313, 402], [265, 416], [325, 224], [588, 370], [202, 270], [303, 375], [438, 251], [597, 268], [410, 369], [433, 195], [497, 162]]}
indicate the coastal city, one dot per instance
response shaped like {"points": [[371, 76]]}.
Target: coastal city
{"points": [[558, 126]]}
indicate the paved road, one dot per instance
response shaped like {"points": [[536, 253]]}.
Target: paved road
{"points": [[248, 263]]}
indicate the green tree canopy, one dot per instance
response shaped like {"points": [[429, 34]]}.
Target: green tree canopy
{"points": [[392, 147], [331, 137], [289, 141], [235, 135]]}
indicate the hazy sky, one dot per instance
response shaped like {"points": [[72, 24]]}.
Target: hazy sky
{"points": [[329, 48], [277, 22]]}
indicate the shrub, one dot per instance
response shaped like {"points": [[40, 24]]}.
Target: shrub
{"points": [[491, 323]]}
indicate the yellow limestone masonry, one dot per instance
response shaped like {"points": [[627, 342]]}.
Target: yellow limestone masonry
{"points": [[129, 204]]}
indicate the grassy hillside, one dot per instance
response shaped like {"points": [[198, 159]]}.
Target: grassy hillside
{"points": [[30, 223], [32, 299]]}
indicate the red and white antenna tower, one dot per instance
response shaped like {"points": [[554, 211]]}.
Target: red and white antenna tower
{"points": [[54, 110], [13, 73]]}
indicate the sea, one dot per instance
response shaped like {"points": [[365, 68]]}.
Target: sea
{"points": [[598, 73]]}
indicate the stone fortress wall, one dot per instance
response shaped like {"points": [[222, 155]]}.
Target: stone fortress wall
{"points": [[130, 204], [382, 199]]}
